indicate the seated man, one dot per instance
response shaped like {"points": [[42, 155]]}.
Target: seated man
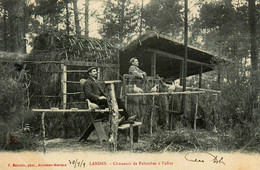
{"points": [[94, 93], [135, 70]]}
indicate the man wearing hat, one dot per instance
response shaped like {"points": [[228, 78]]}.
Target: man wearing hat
{"points": [[95, 94], [135, 70]]}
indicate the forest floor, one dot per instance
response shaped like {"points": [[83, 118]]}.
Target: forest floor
{"points": [[161, 141]]}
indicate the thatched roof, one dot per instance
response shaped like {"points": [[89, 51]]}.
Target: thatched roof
{"points": [[76, 48]]}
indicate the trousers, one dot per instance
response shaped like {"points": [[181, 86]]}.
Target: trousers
{"points": [[103, 104]]}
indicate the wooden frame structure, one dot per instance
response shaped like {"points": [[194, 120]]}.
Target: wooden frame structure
{"points": [[159, 54]]}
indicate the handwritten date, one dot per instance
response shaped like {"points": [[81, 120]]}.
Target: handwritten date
{"points": [[78, 163]]}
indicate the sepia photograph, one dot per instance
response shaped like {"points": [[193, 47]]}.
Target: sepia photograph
{"points": [[129, 84]]}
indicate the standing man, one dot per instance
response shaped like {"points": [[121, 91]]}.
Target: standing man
{"points": [[135, 70], [94, 93]]}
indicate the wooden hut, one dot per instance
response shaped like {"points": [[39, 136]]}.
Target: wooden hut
{"points": [[163, 56], [56, 64], [158, 54]]}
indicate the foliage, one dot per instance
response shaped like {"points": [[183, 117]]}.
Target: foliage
{"points": [[22, 140], [12, 92], [226, 33], [120, 20], [164, 16]]}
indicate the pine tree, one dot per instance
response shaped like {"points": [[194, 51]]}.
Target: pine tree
{"points": [[164, 16], [120, 21]]}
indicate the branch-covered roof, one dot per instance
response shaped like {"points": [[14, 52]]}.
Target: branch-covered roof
{"points": [[76, 48]]}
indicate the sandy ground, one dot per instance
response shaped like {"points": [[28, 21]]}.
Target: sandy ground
{"points": [[92, 145]]}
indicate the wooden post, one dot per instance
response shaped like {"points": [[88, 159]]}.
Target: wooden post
{"points": [[196, 110], [98, 71], [200, 76], [153, 64], [118, 63], [151, 118], [181, 72], [64, 85], [112, 103], [43, 132], [131, 136]]}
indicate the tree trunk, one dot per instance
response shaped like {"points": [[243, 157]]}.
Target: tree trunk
{"points": [[86, 18], [67, 18], [15, 15], [114, 115], [122, 19], [5, 40], [253, 51], [76, 17], [141, 18]]}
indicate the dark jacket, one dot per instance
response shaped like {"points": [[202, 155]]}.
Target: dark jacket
{"points": [[91, 90]]}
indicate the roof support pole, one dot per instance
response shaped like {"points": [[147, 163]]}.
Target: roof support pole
{"points": [[153, 64], [200, 76], [183, 110], [185, 45], [181, 72]]}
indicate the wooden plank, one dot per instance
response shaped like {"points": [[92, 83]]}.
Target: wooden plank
{"points": [[100, 131], [42, 62], [164, 93], [72, 82], [201, 89], [99, 81], [76, 71], [127, 125], [112, 81], [73, 110], [169, 55], [72, 93], [90, 64], [44, 96], [87, 132]]}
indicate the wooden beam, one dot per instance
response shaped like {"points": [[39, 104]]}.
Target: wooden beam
{"points": [[173, 56], [112, 81], [72, 93], [73, 110], [76, 71], [90, 64], [164, 93]]}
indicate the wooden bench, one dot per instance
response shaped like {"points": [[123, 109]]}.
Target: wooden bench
{"points": [[133, 131]]}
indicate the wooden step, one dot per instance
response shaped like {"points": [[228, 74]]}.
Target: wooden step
{"points": [[127, 125]]}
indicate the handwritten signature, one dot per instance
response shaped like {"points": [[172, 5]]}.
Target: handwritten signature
{"points": [[202, 156]]}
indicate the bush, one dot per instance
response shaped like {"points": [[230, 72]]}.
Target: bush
{"points": [[12, 98]]}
